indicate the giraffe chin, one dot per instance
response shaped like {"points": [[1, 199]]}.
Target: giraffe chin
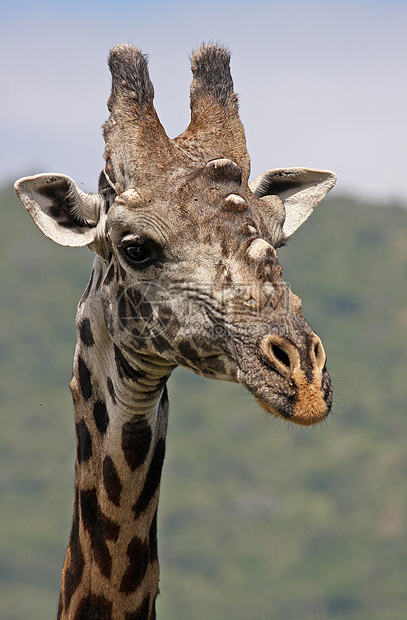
{"points": [[312, 402], [310, 407], [308, 417]]}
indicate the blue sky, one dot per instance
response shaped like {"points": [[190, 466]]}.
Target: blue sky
{"points": [[321, 84]]}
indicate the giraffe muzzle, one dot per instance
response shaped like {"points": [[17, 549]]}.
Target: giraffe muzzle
{"points": [[288, 378], [304, 373]]}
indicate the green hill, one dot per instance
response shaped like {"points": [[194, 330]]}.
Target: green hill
{"points": [[258, 519]]}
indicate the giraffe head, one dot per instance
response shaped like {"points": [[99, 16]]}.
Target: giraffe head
{"points": [[191, 275]]}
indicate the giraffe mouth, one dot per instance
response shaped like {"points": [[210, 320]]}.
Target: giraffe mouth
{"points": [[310, 406]]}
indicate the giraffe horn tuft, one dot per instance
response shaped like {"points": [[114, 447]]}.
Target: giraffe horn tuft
{"points": [[131, 84], [215, 130], [136, 143]]}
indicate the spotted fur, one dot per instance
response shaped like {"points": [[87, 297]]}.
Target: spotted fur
{"points": [[186, 273]]}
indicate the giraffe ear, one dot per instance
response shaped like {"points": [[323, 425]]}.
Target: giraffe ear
{"points": [[62, 211], [300, 190]]}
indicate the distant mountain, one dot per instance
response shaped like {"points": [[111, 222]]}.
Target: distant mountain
{"points": [[258, 519]]}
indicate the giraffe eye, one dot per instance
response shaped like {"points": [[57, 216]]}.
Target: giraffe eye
{"points": [[140, 253], [137, 253]]}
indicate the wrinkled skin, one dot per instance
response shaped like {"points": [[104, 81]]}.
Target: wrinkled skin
{"points": [[215, 290], [210, 294]]}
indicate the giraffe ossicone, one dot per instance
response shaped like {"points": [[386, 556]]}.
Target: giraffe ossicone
{"points": [[185, 273]]}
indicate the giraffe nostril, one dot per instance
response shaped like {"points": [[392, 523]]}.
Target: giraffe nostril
{"points": [[281, 355], [319, 353]]}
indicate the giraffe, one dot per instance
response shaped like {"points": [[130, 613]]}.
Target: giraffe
{"points": [[185, 273]]}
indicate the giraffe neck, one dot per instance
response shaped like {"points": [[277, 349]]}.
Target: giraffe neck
{"points": [[111, 566]]}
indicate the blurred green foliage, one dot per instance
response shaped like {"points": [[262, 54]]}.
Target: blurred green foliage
{"points": [[258, 519]]}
